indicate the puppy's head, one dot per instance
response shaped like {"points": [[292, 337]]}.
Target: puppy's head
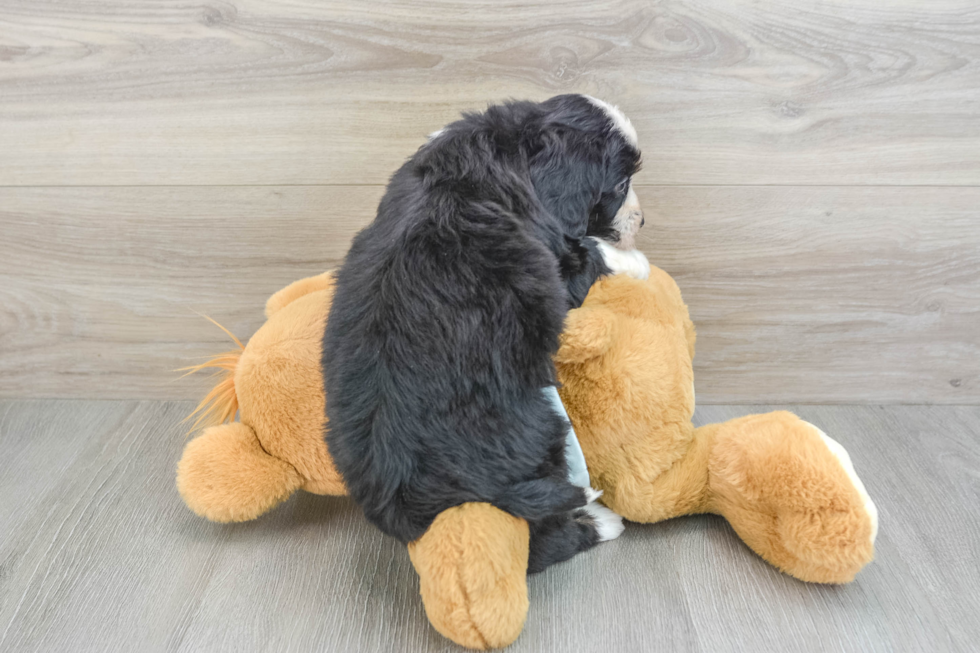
{"points": [[583, 167]]}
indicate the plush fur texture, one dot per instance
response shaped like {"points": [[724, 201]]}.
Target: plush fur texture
{"points": [[280, 370], [237, 471], [625, 363], [625, 366], [226, 476], [447, 313], [471, 564]]}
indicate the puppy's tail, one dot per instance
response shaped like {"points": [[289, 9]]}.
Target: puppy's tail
{"points": [[220, 405], [540, 498]]}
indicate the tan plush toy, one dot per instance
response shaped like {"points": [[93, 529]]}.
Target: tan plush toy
{"points": [[788, 490]]}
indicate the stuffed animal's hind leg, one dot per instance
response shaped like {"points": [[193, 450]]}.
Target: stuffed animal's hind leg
{"points": [[472, 567], [226, 476], [559, 537]]}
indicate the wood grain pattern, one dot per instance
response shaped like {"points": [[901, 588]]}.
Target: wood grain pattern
{"points": [[811, 173], [800, 294], [98, 553], [826, 295], [254, 92], [103, 289]]}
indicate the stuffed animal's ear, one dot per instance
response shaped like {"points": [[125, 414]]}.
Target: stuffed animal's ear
{"points": [[588, 333]]}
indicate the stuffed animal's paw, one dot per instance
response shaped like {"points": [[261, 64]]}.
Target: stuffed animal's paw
{"points": [[633, 262], [792, 494], [840, 453]]}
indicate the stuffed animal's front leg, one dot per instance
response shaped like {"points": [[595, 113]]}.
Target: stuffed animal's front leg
{"points": [[472, 567], [788, 490], [792, 495]]}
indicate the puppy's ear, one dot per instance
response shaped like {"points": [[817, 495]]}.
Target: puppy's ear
{"points": [[567, 171], [588, 333]]}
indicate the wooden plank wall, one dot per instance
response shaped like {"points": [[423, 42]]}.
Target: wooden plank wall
{"points": [[811, 178]]}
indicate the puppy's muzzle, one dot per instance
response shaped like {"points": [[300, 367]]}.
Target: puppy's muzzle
{"points": [[628, 221]]}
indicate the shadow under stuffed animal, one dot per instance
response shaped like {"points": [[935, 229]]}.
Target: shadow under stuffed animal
{"points": [[627, 383]]}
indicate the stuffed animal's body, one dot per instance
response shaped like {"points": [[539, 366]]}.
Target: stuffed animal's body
{"points": [[236, 471], [787, 489]]}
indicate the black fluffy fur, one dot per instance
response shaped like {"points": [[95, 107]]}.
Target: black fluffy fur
{"points": [[447, 313]]}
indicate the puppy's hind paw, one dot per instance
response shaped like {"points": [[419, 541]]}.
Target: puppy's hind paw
{"points": [[608, 524], [633, 262]]}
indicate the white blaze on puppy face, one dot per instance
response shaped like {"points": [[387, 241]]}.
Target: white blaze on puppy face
{"points": [[629, 217], [619, 120]]}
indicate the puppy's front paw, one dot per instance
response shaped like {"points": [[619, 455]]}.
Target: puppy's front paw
{"points": [[632, 262]]}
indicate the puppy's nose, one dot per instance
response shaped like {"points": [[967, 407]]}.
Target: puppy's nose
{"points": [[643, 220]]}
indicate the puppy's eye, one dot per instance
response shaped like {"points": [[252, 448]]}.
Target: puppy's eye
{"points": [[623, 186]]}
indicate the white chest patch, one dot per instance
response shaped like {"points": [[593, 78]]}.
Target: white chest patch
{"points": [[632, 262]]}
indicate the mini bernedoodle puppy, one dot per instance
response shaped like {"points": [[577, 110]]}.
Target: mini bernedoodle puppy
{"points": [[448, 310]]}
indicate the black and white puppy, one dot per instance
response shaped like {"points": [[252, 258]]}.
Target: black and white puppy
{"points": [[447, 312]]}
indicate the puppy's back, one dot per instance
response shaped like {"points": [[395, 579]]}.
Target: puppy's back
{"points": [[445, 317]]}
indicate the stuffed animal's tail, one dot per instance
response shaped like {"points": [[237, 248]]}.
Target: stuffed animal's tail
{"points": [[225, 474], [221, 404]]}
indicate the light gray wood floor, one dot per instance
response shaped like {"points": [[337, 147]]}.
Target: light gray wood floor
{"points": [[97, 553]]}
